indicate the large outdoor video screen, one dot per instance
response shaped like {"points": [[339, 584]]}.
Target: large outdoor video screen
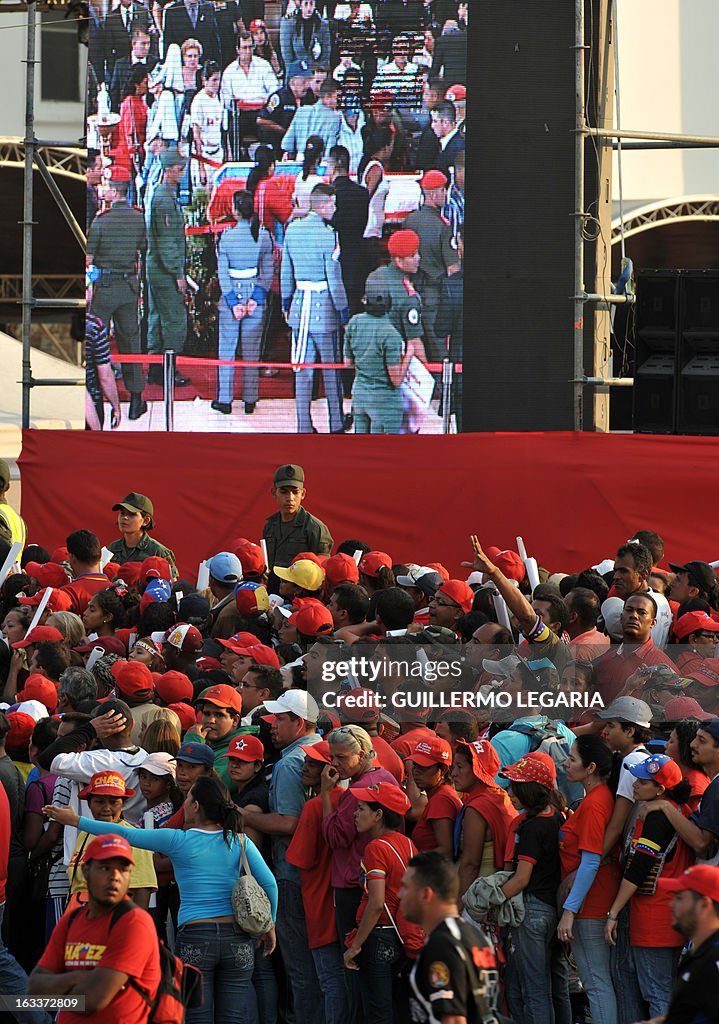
{"points": [[276, 216]]}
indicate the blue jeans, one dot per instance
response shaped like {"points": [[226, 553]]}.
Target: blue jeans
{"points": [[347, 902], [656, 970], [298, 961], [541, 967], [630, 1003], [593, 963], [379, 961], [330, 972], [13, 981], [264, 982], [226, 958]]}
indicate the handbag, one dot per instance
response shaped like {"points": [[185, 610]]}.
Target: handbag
{"points": [[409, 934], [250, 902]]}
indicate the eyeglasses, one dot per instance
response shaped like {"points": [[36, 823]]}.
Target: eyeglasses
{"points": [[444, 604], [249, 686]]}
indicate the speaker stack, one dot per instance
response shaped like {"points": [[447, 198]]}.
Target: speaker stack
{"points": [[676, 377]]}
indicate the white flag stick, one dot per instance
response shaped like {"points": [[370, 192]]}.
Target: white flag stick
{"points": [[263, 545], [40, 608], [203, 576], [12, 557], [532, 572], [500, 606], [521, 549]]}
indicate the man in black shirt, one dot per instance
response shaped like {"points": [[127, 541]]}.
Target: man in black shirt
{"points": [[455, 975], [695, 913]]}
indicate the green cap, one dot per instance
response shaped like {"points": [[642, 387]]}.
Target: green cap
{"points": [[4, 473], [435, 635], [135, 502], [290, 476], [171, 157]]}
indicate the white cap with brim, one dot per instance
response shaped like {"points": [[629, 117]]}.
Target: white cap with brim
{"points": [[502, 668], [628, 709], [611, 614], [297, 702]]}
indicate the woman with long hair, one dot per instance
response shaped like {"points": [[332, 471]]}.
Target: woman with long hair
{"points": [[245, 271], [129, 149], [272, 194], [263, 47], [678, 747], [588, 885], [308, 176], [482, 825], [206, 860], [428, 787]]}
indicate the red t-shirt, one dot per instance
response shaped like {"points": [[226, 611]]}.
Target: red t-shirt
{"points": [[584, 830], [386, 858], [699, 782], [388, 759], [129, 946], [84, 588], [309, 852], [444, 803], [612, 670]]}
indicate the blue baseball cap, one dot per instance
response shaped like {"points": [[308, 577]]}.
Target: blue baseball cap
{"points": [[196, 753], [299, 69], [657, 768], [225, 567], [159, 590]]}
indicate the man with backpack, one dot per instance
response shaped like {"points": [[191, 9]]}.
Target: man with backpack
{"points": [[106, 952]]}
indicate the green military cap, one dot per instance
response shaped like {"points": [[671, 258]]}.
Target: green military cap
{"points": [[135, 502], [290, 476], [171, 157], [435, 635]]}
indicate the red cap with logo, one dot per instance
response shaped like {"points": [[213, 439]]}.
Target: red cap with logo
{"points": [[485, 759], [185, 638], [246, 748], [533, 767], [459, 592], [106, 783], [223, 696], [707, 675], [157, 568], [694, 622], [251, 599], [106, 847], [431, 751], [371, 563], [39, 635], [341, 569], [239, 642], [386, 795], [312, 618]]}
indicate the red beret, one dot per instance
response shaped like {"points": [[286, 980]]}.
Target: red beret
{"points": [[403, 243], [433, 179]]}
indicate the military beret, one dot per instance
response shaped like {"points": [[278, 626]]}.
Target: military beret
{"points": [[433, 179], [403, 243]]}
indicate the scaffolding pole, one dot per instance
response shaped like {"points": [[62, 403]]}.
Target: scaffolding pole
{"points": [[27, 211], [579, 216]]}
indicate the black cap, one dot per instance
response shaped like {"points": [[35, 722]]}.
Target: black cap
{"points": [[700, 574]]}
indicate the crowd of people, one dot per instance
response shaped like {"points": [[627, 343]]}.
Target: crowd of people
{"points": [[420, 857], [306, 171]]}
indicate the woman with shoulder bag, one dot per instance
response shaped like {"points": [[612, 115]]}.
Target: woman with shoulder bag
{"points": [[206, 859], [377, 947]]}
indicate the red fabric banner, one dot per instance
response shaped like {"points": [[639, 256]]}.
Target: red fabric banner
{"points": [[574, 498]]}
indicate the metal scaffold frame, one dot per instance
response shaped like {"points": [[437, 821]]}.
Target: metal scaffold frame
{"points": [[697, 207]]}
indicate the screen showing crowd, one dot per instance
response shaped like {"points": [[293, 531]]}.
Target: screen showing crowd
{"points": [[276, 196]]}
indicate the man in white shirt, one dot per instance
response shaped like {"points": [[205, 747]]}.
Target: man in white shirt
{"points": [[402, 78], [206, 118], [247, 84]]}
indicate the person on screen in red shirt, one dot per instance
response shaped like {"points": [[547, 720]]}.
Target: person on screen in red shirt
{"points": [[84, 555], [107, 951], [636, 651], [309, 852], [429, 790]]}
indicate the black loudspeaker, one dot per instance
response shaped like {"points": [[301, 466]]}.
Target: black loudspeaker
{"points": [[657, 330], [698, 408]]}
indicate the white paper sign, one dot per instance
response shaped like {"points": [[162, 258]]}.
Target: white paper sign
{"points": [[419, 382], [105, 557]]}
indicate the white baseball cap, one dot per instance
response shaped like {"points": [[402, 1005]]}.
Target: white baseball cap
{"points": [[297, 702]]}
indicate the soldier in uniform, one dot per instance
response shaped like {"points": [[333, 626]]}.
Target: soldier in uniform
{"points": [[167, 323], [375, 348], [314, 302], [245, 270], [439, 257], [116, 243], [292, 529], [276, 116]]}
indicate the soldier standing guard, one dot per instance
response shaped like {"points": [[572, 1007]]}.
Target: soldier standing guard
{"points": [[116, 243], [439, 256], [245, 270], [167, 322], [314, 302]]}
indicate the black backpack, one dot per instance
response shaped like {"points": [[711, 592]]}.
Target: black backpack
{"points": [[180, 983]]}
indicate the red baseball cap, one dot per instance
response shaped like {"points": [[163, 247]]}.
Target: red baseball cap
{"points": [[253, 561], [40, 688], [112, 570], [312, 618], [58, 601], [186, 713], [157, 568], [510, 563], [438, 567], [222, 696], [707, 675], [205, 664], [48, 574], [694, 622], [533, 767], [185, 638], [251, 598], [359, 705], [21, 730], [246, 748], [106, 783], [318, 751], [341, 569], [130, 572], [239, 642], [455, 93], [373, 561], [432, 751], [386, 794], [485, 759], [682, 707], [261, 654], [701, 878], [174, 687], [133, 679], [459, 592], [38, 635], [307, 556], [60, 554], [109, 644], [106, 847]]}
